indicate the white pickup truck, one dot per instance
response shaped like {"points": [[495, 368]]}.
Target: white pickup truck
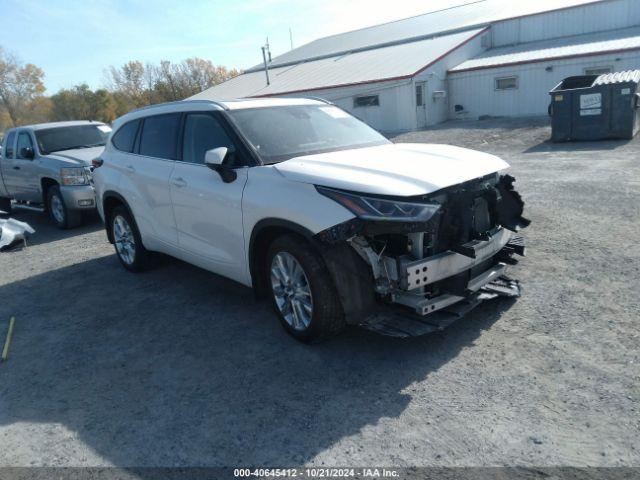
{"points": [[49, 165]]}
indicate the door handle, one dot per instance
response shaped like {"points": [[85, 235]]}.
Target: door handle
{"points": [[16, 168], [179, 182], [130, 169]]}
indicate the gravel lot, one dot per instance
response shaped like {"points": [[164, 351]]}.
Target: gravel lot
{"points": [[179, 367]]}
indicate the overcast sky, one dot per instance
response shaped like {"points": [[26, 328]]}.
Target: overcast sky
{"points": [[74, 41]]}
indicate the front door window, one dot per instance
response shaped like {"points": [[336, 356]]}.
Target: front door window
{"points": [[24, 141]]}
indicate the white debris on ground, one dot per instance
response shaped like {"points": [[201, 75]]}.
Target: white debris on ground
{"points": [[13, 233]]}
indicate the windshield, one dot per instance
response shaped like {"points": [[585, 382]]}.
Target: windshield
{"points": [[67, 138], [283, 132]]}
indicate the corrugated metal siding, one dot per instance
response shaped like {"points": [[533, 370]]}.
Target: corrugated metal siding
{"points": [[616, 40], [392, 71], [397, 110], [475, 90], [373, 65], [630, 76], [590, 18], [395, 113], [467, 16], [436, 78]]}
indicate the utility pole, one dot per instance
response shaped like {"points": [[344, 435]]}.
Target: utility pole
{"points": [[265, 51]]}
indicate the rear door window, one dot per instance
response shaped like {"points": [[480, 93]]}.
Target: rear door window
{"points": [[125, 137], [202, 132], [159, 136]]}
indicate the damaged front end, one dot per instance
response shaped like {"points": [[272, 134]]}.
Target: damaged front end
{"points": [[407, 267]]}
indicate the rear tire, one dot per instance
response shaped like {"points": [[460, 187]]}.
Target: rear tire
{"points": [[5, 205], [127, 241], [60, 215], [302, 291]]}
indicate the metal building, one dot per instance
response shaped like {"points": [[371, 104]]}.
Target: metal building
{"points": [[489, 57]]}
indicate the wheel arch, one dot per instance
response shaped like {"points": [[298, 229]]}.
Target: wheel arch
{"points": [[352, 277], [45, 184], [264, 232], [111, 200]]}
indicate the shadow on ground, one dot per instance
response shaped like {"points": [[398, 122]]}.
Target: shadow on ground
{"points": [[549, 146], [179, 367]]}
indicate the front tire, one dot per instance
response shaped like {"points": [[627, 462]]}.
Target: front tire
{"points": [[302, 292], [127, 241], [61, 216]]}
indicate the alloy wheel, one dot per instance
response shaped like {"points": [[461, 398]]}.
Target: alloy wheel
{"points": [[124, 240], [291, 291], [57, 209]]}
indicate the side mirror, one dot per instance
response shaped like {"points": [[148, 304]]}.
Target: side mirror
{"points": [[219, 160], [216, 157], [27, 152]]}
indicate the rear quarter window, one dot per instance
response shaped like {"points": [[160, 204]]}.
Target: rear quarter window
{"points": [[125, 137]]}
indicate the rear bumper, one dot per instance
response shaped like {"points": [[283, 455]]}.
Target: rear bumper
{"points": [[81, 197]]}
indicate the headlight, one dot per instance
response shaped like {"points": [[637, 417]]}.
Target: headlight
{"points": [[371, 208], [73, 176]]}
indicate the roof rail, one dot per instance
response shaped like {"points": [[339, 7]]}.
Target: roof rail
{"points": [[319, 99], [178, 102]]}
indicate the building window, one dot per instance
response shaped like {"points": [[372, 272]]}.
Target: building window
{"points": [[366, 101], [597, 70], [507, 83]]}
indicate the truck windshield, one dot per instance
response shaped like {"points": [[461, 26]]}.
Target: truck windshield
{"points": [[68, 138], [284, 132]]}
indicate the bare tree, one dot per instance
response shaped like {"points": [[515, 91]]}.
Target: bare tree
{"points": [[136, 84], [19, 85], [131, 81], [198, 74], [129, 86]]}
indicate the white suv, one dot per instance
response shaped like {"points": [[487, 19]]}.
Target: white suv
{"points": [[313, 208]]}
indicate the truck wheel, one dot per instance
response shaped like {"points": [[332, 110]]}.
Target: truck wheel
{"points": [[5, 205], [302, 291], [61, 216], [126, 238]]}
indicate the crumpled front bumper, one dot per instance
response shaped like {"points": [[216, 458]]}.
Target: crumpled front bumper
{"points": [[418, 273], [410, 312], [411, 278], [403, 324]]}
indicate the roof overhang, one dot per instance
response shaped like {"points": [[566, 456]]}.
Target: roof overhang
{"points": [[384, 65], [589, 45]]}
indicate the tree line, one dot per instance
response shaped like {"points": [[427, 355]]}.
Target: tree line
{"points": [[132, 85]]}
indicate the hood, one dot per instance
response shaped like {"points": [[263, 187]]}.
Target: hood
{"points": [[78, 156], [395, 169]]}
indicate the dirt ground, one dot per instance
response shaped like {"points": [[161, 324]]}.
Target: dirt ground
{"points": [[179, 367]]}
